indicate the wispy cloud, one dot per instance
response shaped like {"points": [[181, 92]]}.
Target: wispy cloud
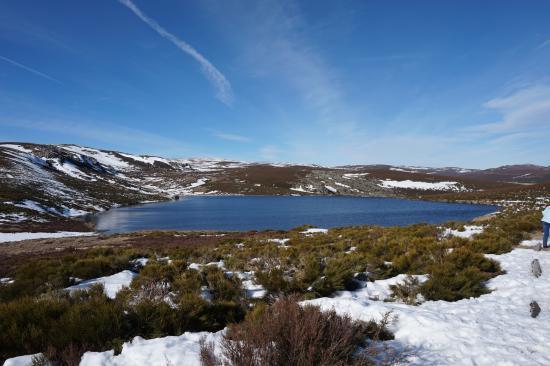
{"points": [[395, 57], [544, 44], [98, 132], [270, 152], [223, 88], [230, 136], [30, 69], [526, 109]]}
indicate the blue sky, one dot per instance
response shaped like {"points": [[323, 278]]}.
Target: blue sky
{"points": [[439, 83]]}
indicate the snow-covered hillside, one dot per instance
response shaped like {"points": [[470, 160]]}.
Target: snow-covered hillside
{"points": [[39, 183]]}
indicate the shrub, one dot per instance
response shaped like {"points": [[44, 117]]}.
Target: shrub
{"points": [[289, 334], [223, 288], [462, 274], [454, 285], [406, 291]]}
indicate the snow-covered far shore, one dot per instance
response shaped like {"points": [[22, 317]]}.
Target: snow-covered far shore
{"points": [[11, 237]]}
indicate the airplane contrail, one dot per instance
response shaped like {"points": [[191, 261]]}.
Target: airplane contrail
{"points": [[223, 88], [29, 69]]}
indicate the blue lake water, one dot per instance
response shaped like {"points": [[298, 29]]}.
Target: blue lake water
{"points": [[232, 213]]}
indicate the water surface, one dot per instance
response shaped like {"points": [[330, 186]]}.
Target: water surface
{"points": [[232, 213]]}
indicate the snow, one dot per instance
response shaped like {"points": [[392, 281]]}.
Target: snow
{"points": [[102, 157], [10, 237], [71, 170], [173, 350], [6, 280], [21, 360], [354, 175], [431, 186], [142, 262], [17, 147], [378, 290], [198, 183], [197, 266], [31, 205], [303, 190], [112, 284], [494, 329], [331, 189], [211, 164], [531, 243], [469, 231], [146, 159], [12, 217], [314, 230], [342, 185], [279, 241], [252, 289]]}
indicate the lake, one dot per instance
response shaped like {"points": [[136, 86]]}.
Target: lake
{"points": [[236, 213]]}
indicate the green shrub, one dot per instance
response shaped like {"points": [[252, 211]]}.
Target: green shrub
{"points": [[406, 291]]}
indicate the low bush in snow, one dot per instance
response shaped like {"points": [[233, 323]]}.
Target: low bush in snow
{"points": [[289, 334]]}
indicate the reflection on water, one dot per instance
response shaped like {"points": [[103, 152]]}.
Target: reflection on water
{"points": [[281, 212]]}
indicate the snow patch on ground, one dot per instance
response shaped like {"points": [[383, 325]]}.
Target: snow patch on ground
{"points": [[308, 189], [102, 157], [280, 242], [174, 350], [331, 189], [354, 175], [469, 231], [21, 360], [17, 147], [531, 243], [494, 329], [426, 186], [71, 170], [314, 230], [112, 284], [10, 237], [378, 290], [146, 159]]}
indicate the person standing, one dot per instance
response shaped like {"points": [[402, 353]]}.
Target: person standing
{"points": [[545, 225]]}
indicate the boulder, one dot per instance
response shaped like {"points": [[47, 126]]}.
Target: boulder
{"points": [[535, 309], [535, 268]]}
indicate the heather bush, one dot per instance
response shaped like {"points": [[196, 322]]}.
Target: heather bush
{"points": [[289, 334], [406, 291]]}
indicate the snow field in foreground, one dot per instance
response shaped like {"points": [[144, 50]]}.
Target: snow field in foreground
{"points": [[494, 329]]}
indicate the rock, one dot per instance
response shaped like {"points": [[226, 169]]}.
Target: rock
{"points": [[535, 268], [535, 309]]}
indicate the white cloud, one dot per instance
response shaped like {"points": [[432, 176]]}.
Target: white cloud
{"points": [[223, 88], [231, 137], [523, 110], [31, 70]]}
